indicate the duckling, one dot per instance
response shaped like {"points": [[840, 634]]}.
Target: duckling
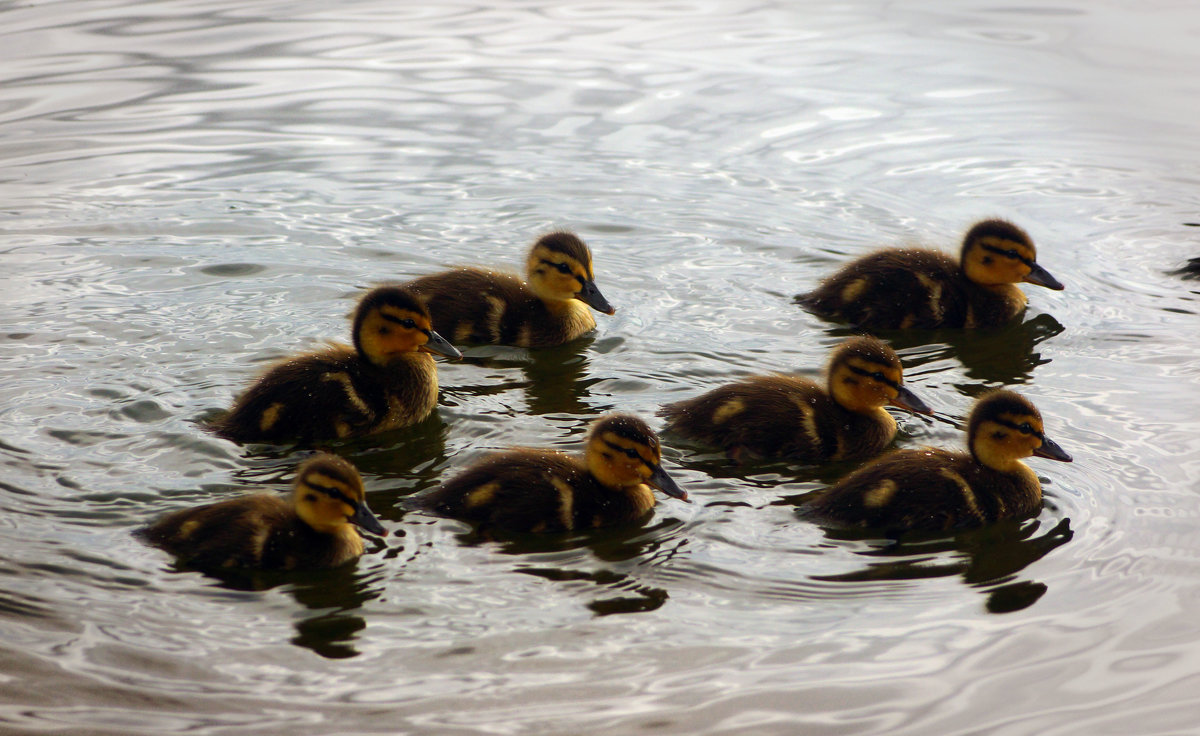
{"points": [[527, 490], [920, 288], [315, 530], [474, 305], [780, 416], [940, 490], [387, 380]]}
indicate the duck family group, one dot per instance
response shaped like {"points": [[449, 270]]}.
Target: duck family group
{"points": [[388, 379]]}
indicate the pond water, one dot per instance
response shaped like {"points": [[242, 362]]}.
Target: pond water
{"points": [[192, 188]]}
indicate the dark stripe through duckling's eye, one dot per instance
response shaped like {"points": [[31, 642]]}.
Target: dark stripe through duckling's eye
{"points": [[1023, 428], [1009, 253], [629, 451], [562, 267], [332, 492], [875, 375], [407, 322]]}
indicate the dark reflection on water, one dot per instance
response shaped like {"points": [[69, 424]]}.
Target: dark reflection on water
{"points": [[997, 356], [989, 558], [556, 378]]}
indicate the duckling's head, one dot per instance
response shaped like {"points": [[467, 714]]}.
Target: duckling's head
{"points": [[559, 268], [328, 494], [390, 321], [623, 451], [998, 252], [865, 374], [1005, 427]]}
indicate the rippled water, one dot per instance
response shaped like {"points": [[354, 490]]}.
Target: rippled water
{"points": [[193, 188]]}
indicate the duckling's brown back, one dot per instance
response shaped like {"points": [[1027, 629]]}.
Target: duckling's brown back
{"points": [[472, 305], [778, 417], [530, 491], [895, 288], [261, 531], [330, 394], [925, 489], [230, 533]]}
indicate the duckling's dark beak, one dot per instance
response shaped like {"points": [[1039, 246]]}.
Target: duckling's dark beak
{"points": [[591, 296], [1041, 277], [439, 345], [1051, 450], [906, 399], [663, 482], [365, 520]]}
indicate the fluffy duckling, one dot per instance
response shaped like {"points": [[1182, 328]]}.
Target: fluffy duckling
{"points": [[387, 380], [914, 287], [788, 417], [526, 490], [474, 305], [939, 490], [316, 529]]}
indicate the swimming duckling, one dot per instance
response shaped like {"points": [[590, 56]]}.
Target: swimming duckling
{"points": [[790, 417], [526, 490], [475, 305], [387, 380], [914, 287], [315, 529], [938, 490]]}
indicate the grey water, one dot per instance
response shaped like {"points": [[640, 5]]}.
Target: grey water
{"points": [[190, 189]]}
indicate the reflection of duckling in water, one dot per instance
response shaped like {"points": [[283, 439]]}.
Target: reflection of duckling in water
{"points": [[937, 489], [786, 416], [387, 380], [527, 490], [1189, 271], [918, 288], [315, 529], [475, 305]]}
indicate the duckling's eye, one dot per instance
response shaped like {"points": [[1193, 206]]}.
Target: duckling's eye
{"points": [[1012, 254], [408, 323], [878, 376], [1026, 428], [632, 453]]}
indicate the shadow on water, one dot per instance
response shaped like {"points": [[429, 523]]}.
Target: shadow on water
{"points": [[332, 597], [999, 355], [565, 557], [555, 382], [988, 559]]}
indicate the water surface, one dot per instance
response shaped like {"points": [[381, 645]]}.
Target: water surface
{"points": [[192, 189]]}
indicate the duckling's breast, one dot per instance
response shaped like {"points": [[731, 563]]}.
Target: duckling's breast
{"points": [[412, 390], [992, 306]]}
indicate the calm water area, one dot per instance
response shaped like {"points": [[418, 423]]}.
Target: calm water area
{"points": [[191, 189]]}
